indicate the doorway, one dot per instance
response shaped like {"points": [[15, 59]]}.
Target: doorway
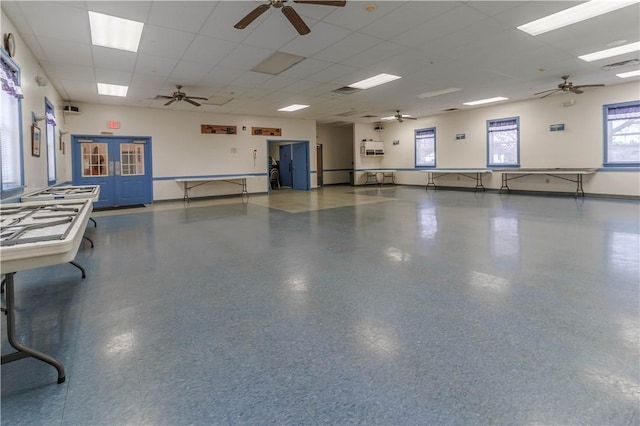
{"points": [[319, 163], [293, 163], [120, 165]]}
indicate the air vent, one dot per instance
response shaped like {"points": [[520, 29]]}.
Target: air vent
{"points": [[451, 109], [346, 90], [617, 65]]}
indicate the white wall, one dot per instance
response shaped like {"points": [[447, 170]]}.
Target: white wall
{"points": [[180, 150], [35, 168], [337, 153], [580, 145]]}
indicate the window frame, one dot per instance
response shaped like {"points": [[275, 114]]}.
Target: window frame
{"points": [[415, 148], [605, 131], [51, 142], [19, 187], [489, 152]]}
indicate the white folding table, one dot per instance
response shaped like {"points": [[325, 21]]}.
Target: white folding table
{"points": [[33, 235], [190, 183], [385, 173], [475, 174], [559, 173]]}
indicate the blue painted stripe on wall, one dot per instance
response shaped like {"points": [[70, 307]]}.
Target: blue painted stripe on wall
{"points": [[619, 169], [337, 170]]}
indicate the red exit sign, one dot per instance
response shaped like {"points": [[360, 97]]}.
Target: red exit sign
{"points": [[113, 124]]}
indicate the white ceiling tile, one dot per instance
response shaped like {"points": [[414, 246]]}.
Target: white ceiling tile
{"points": [[355, 16], [322, 36], [208, 50], [44, 18], [379, 53], [190, 72], [113, 77], [164, 41], [225, 15], [335, 73], [269, 34], [305, 68], [71, 72], [157, 65], [134, 10], [67, 52], [246, 57], [186, 16], [345, 48], [251, 79], [114, 59]]}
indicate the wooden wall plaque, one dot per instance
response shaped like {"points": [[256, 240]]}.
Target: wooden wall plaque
{"points": [[266, 131], [218, 130]]}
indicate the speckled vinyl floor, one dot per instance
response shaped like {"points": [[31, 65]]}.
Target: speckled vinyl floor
{"points": [[391, 306]]}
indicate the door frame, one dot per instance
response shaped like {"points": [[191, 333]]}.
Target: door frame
{"points": [[270, 142], [76, 158]]}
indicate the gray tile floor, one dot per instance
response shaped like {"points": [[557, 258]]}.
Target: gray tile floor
{"points": [[391, 306]]}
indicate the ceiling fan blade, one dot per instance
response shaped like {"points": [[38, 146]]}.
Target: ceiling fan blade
{"points": [[409, 118], [576, 90], [163, 97], [251, 16], [198, 97], [191, 101], [337, 3], [546, 91], [170, 102], [550, 93], [581, 86], [295, 20]]}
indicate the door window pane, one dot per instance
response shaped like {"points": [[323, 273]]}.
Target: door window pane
{"points": [[131, 159], [95, 158]]}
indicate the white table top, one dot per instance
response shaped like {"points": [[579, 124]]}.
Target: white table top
{"points": [[204, 179], [485, 171], [22, 252], [68, 192], [550, 171]]}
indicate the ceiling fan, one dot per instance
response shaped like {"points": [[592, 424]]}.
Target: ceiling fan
{"points": [[399, 117], [287, 11], [567, 86], [179, 95]]}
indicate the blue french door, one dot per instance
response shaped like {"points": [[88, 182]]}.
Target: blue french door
{"points": [[300, 159], [285, 166], [120, 165]]}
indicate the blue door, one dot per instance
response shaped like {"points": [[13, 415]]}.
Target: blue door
{"points": [[120, 165], [300, 166], [285, 166]]}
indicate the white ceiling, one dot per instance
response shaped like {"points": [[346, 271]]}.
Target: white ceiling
{"points": [[433, 45]]}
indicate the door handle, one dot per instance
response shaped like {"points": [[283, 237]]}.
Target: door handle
{"points": [[110, 172], [117, 168]]}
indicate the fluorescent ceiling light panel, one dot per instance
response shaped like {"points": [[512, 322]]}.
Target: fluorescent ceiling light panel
{"points": [[277, 63], [486, 101], [439, 92], [293, 107], [573, 15], [112, 90], [374, 81], [116, 33], [629, 74], [608, 53]]}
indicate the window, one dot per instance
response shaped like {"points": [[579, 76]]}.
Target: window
{"points": [[503, 142], [622, 134], [51, 141], [10, 127], [426, 147]]}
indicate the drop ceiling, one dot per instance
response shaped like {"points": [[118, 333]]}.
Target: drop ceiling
{"points": [[434, 45]]}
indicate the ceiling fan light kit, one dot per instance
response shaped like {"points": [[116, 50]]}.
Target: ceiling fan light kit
{"points": [[288, 11], [567, 87], [179, 95]]}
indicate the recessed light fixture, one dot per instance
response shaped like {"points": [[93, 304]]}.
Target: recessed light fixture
{"points": [[112, 90], [376, 80], [294, 107], [113, 32], [573, 15], [629, 74], [486, 101], [439, 92], [614, 51]]}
